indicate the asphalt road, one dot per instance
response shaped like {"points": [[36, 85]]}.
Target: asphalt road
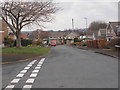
{"points": [[64, 67]]}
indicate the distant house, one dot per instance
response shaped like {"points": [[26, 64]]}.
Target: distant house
{"points": [[70, 37], [111, 30], [91, 34], [24, 35], [101, 34], [56, 35]]}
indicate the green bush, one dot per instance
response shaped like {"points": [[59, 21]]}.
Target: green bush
{"points": [[8, 42], [24, 42], [84, 44]]}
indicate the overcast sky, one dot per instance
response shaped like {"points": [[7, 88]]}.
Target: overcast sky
{"points": [[94, 10], [78, 9]]}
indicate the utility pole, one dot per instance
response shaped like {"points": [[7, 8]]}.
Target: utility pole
{"points": [[72, 24], [86, 22], [86, 25]]}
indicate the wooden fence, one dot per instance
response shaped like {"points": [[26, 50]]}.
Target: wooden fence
{"points": [[97, 43]]}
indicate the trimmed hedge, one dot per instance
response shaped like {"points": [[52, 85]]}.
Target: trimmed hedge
{"points": [[24, 42]]}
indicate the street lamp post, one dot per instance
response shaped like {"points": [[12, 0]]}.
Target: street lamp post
{"points": [[72, 24], [86, 25]]}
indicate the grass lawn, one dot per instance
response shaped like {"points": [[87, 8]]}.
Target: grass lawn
{"points": [[26, 50]]}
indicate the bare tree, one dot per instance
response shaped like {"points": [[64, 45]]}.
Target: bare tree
{"points": [[44, 35], [39, 35], [19, 14], [96, 25]]}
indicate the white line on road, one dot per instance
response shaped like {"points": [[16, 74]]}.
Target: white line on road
{"points": [[23, 71], [35, 71], [29, 65], [20, 75], [33, 75], [40, 63], [10, 86], [37, 67], [27, 68], [34, 60], [27, 86], [15, 80], [42, 59], [30, 80]]}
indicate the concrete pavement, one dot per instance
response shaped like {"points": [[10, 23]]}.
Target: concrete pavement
{"points": [[65, 67]]}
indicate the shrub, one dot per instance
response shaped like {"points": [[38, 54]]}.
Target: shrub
{"points": [[83, 44], [24, 42], [8, 42], [38, 43], [114, 42]]}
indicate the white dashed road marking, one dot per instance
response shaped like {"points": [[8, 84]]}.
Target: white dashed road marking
{"points": [[27, 68], [32, 76], [42, 59], [29, 65], [30, 80], [35, 71], [41, 62], [20, 75], [27, 86], [23, 71], [10, 86], [37, 67], [15, 80]]}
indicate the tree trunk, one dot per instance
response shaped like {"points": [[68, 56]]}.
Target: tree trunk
{"points": [[18, 41]]}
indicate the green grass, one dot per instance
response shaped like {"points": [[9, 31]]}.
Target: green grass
{"points": [[26, 50]]}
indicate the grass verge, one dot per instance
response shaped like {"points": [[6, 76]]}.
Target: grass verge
{"points": [[26, 50]]}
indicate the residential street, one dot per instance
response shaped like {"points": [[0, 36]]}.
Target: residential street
{"points": [[64, 67]]}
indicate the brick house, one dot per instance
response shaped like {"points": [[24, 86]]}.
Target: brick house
{"points": [[111, 30], [3, 32]]}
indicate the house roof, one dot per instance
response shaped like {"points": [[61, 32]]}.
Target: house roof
{"points": [[102, 31], [73, 34], [56, 34], [114, 25], [90, 32], [24, 36]]}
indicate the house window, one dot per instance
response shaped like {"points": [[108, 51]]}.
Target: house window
{"points": [[109, 39], [111, 31], [108, 31]]}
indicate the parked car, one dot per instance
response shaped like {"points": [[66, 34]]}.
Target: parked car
{"points": [[53, 43]]}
